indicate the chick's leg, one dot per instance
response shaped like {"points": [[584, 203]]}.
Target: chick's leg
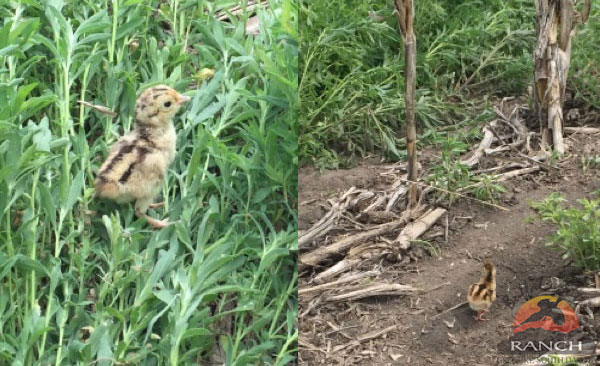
{"points": [[480, 317], [141, 206]]}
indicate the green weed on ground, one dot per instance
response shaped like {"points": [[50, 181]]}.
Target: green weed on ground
{"points": [[83, 281], [578, 229]]}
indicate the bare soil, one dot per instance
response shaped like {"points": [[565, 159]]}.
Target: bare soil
{"points": [[513, 240]]}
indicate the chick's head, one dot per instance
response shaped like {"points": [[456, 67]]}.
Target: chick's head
{"points": [[488, 267], [156, 106]]}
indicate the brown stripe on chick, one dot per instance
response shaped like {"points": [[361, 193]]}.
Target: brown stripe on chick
{"points": [[471, 289], [160, 89], [126, 149], [144, 135], [479, 290], [140, 156], [142, 152], [127, 173]]}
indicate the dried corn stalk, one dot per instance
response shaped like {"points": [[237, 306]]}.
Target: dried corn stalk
{"points": [[555, 28]]}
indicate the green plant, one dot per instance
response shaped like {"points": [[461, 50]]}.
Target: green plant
{"points": [[554, 158], [578, 233], [584, 71], [82, 281], [487, 189], [590, 162], [433, 249], [449, 174]]}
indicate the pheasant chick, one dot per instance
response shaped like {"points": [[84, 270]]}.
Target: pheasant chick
{"points": [[482, 294], [137, 163]]}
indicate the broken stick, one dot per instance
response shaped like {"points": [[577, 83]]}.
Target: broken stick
{"points": [[349, 278], [415, 229], [486, 143], [341, 246], [378, 289], [584, 130]]}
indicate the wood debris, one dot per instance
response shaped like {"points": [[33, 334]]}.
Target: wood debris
{"points": [[335, 254], [342, 255], [377, 289], [341, 246], [334, 284], [100, 108], [250, 7]]}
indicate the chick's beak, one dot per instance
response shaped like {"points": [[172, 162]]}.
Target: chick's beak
{"points": [[183, 99]]}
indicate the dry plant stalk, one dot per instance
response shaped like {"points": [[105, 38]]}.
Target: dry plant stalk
{"points": [[236, 10], [328, 221], [376, 289], [586, 130], [342, 266], [374, 252], [589, 291], [415, 229], [592, 303], [346, 279], [555, 28], [405, 13], [341, 246], [486, 143]]}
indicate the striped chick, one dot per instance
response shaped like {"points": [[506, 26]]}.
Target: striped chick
{"points": [[482, 294], [137, 163]]}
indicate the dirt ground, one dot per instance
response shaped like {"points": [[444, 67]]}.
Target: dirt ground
{"points": [[513, 240]]}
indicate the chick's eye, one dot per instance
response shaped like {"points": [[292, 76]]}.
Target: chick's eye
{"points": [[167, 104]]}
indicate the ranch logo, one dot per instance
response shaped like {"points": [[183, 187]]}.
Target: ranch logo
{"points": [[541, 326], [546, 312]]}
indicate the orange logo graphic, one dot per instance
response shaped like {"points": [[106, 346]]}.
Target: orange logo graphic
{"points": [[546, 312]]}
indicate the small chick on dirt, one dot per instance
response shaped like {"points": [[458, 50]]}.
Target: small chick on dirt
{"points": [[137, 163], [483, 293]]}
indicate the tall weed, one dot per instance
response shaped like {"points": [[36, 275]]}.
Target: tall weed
{"points": [[83, 281], [578, 229]]}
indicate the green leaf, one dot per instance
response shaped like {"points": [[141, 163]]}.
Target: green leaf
{"points": [[165, 262], [24, 30], [261, 194], [42, 136], [115, 313], [73, 195], [130, 28], [100, 343], [8, 50], [270, 257], [196, 332], [23, 263]]}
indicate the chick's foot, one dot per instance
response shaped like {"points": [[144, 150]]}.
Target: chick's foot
{"points": [[480, 317], [157, 224]]}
